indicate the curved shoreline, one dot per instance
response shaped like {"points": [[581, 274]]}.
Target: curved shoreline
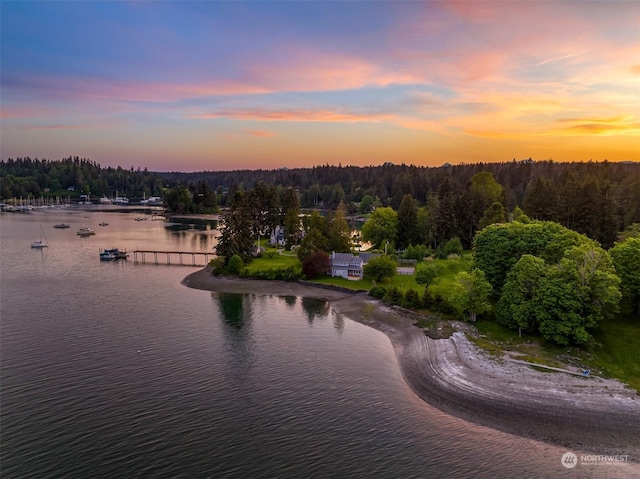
{"points": [[591, 415]]}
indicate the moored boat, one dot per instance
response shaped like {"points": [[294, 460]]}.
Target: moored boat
{"points": [[41, 243], [111, 254], [85, 231]]}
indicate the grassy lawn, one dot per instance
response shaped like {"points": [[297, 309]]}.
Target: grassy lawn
{"points": [[617, 352], [272, 260], [448, 268]]}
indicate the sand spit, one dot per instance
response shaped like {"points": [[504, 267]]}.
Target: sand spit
{"points": [[593, 415]]}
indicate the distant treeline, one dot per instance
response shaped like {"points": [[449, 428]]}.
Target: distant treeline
{"points": [[598, 199], [73, 176]]}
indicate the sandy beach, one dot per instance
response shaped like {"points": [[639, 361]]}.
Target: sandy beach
{"points": [[592, 415]]}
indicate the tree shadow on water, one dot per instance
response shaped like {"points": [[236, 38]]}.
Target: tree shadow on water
{"points": [[232, 309], [314, 308]]}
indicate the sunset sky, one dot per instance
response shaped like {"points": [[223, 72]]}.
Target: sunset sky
{"points": [[231, 85]]}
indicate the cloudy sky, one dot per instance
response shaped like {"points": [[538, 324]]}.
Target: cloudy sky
{"points": [[227, 85]]}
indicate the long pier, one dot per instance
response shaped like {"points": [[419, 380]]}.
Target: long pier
{"points": [[165, 257]]}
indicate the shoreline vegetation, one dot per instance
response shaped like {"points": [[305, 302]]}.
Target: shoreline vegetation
{"points": [[586, 414]]}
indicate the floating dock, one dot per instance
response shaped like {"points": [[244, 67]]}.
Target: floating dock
{"points": [[172, 258]]}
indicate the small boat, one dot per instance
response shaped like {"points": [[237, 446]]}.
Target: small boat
{"points": [[103, 224], [85, 232], [141, 218], [41, 243], [151, 201], [62, 225], [112, 254], [107, 255], [120, 200]]}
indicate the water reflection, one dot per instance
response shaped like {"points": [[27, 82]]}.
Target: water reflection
{"points": [[192, 236], [290, 300], [236, 313], [314, 308], [232, 309]]}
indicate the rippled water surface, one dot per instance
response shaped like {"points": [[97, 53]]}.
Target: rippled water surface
{"points": [[117, 370]]}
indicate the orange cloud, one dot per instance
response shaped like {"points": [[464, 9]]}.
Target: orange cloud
{"points": [[597, 126]]}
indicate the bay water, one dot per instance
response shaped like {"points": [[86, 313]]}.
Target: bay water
{"points": [[115, 369]]}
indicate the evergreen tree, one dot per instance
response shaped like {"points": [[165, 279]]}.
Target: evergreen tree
{"points": [[236, 236], [494, 214], [407, 232], [263, 203], [339, 232]]}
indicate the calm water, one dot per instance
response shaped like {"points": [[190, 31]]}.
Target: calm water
{"points": [[117, 370]]}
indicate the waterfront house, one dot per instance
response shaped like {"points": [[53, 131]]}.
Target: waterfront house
{"points": [[346, 265]]}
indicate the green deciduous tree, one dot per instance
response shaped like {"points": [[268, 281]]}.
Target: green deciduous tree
{"points": [[576, 294], [471, 293], [498, 247], [380, 227], [313, 242], [379, 268], [366, 203], [626, 259], [517, 306], [426, 273]]}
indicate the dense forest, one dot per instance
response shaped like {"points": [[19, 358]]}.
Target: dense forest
{"points": [[598, 199], [73, 176]]}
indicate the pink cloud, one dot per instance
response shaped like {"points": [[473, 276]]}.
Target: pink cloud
{"points": [[261, 133], [304, 115]]}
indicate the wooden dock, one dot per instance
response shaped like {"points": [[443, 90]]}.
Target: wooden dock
{"points": [[172, 258]]}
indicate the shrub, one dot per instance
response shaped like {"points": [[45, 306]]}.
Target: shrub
{"points": [[235, 264], [394, 296], [218, 265], [378, 292], [453, 246], [412, 299]]}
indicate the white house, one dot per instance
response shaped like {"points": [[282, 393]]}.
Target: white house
{"points": [[277, 236], [346, 265]]}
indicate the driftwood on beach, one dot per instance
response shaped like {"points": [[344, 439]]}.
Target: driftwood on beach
{"points": [[588, 414]]}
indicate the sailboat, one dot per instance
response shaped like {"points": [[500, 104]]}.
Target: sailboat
{"points": [[42, 243]]}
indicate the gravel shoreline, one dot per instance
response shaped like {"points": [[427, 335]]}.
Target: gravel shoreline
{"points": [[591, 415]]}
